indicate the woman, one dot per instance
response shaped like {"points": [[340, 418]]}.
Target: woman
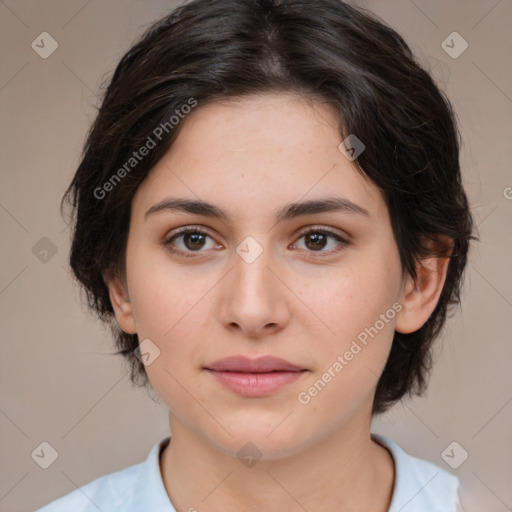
{"points": [[269, 213]]}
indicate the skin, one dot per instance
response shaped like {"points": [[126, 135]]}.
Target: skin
{"points": [[251, 157]]}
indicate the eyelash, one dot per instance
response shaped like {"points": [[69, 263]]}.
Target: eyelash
{"points": [[198, 230]]}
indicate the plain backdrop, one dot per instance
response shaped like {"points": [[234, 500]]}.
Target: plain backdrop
{"points": [[58, 382]]}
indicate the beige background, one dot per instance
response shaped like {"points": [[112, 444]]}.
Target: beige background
{"points": [[58, 383]]}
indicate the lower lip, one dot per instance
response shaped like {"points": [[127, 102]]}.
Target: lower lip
{"points": [[256, 384]]}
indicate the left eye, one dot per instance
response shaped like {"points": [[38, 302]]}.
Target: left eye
{"points": [[193, 239], [317, 239]]}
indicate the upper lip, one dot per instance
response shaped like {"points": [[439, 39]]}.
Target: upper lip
{"points": [[260, 365]]}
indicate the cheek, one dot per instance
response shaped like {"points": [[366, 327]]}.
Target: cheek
{"points": [[170, 313], [359, 306], [161, 292], [354, 297], [168, 304], [359, 311]]}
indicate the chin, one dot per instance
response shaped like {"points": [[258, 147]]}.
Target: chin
{"points": [[262, 440]]}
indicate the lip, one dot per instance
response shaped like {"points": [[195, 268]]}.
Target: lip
{"points": [[254, 377], [260, 365]]}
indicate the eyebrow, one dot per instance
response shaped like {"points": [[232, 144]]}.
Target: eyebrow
{"points": [[287, 212]]}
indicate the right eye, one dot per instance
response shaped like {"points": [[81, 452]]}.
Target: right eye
{"points": [[192, 240]]}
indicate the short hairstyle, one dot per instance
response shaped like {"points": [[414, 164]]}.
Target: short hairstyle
{"points": [[326, 50]]}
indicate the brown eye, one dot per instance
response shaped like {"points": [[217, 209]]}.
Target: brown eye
{"points": [[193, 239], [316, 240]]}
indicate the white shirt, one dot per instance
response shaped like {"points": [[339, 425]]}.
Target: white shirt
{"points": [[420, 486]]}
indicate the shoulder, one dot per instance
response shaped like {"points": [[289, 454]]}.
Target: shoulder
{"points": [[102, 493], [120, 491], [420, 486]]}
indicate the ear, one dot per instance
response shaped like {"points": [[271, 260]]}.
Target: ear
{"points": [[120, 300], [421, 295]]}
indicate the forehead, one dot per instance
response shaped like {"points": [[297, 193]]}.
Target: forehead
{"points": [[262, 124], [255, 153]]}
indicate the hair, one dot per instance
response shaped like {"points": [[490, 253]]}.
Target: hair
{"points": [[209, 50]]}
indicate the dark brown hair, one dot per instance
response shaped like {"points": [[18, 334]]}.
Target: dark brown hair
{"points": [[207, 50]]}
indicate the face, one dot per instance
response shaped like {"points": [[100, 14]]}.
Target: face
{"points": [[319, 288]]}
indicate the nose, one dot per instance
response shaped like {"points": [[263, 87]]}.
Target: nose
{"points": [[254, 299]]}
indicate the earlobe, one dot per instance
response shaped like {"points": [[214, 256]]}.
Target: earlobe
{"points": [[120, 300], [421, 295]]}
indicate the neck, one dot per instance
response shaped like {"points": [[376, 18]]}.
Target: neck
{"points": [[347, 471]]}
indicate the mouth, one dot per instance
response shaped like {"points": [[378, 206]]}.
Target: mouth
{"points": [[255, 377]]}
